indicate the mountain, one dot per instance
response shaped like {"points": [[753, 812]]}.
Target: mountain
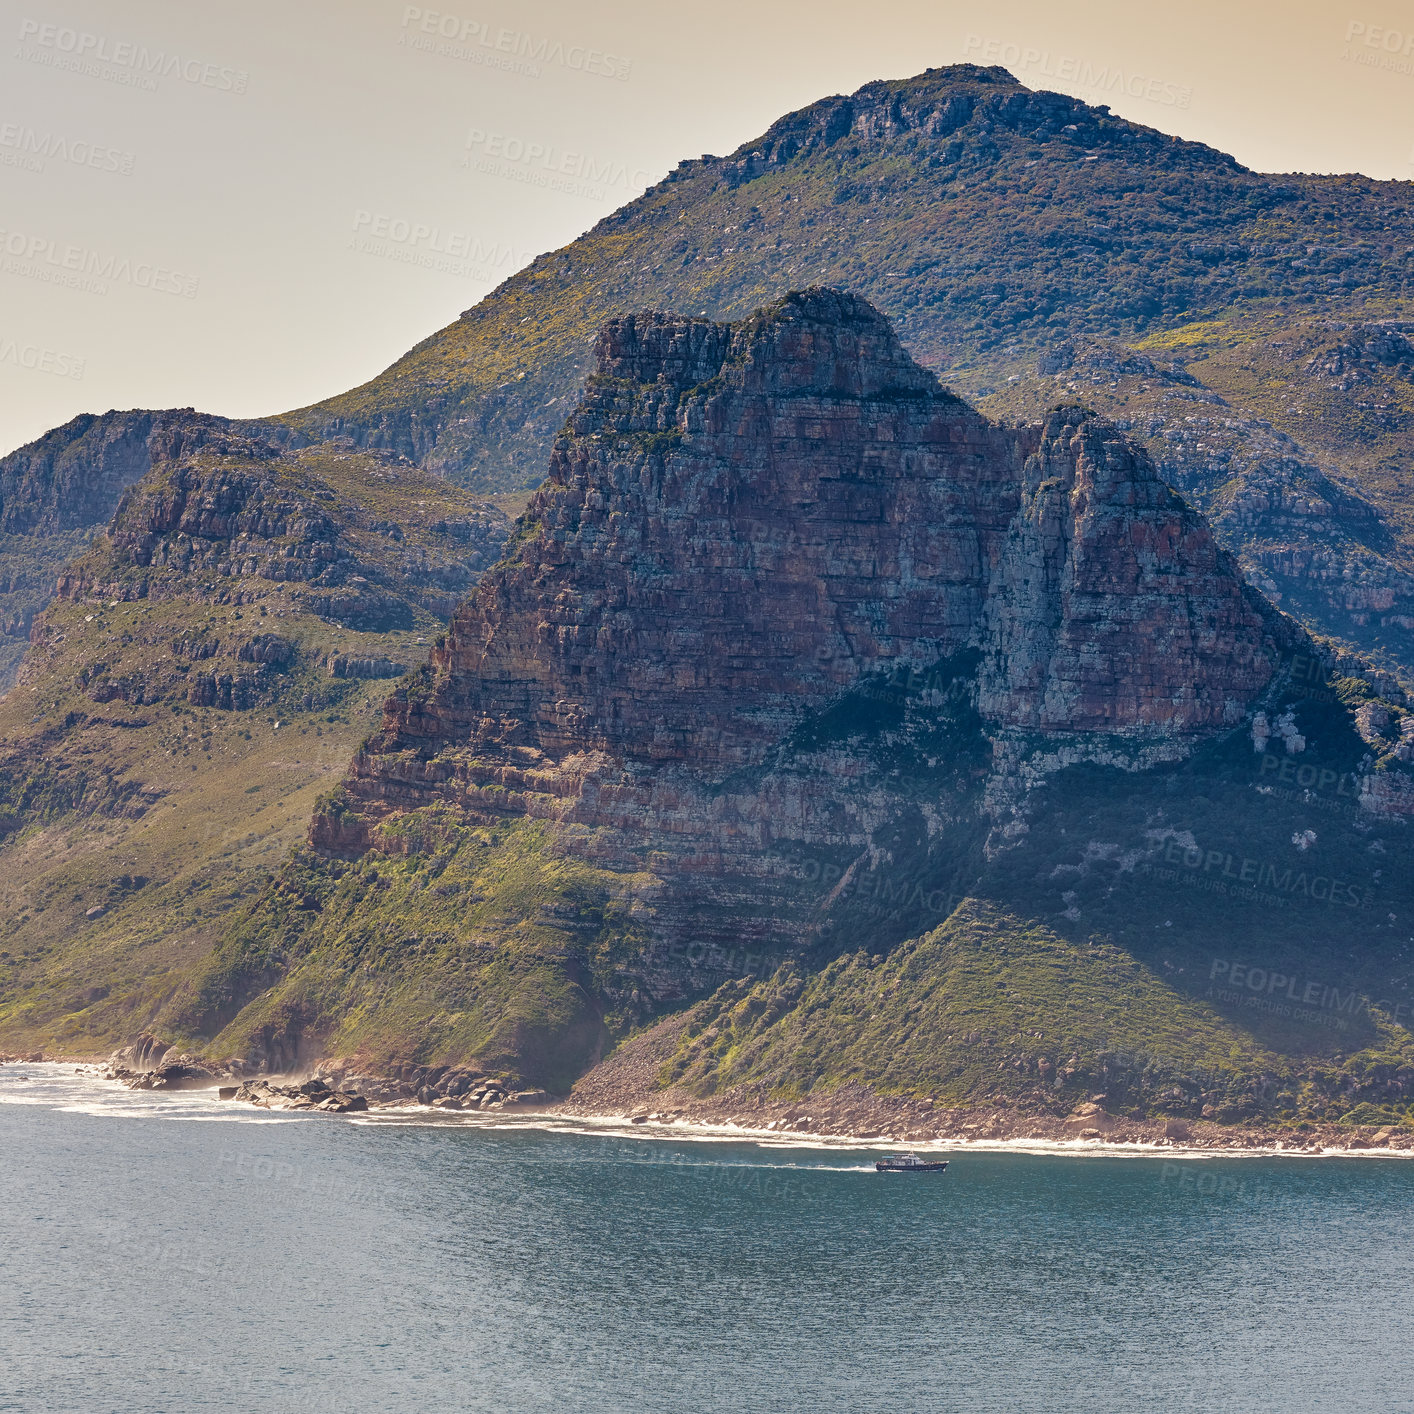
{"points": [[1008, 234], [1078, 758], [207, 666], [1000, 222], [997, 228], [852, 738]]}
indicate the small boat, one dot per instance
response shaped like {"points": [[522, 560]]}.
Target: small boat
{"points": [[908, 1163]]}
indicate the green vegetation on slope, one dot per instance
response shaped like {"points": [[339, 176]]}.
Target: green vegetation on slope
{"points": [[485, 942], [993, 1008], [1194, 939], [163, 751]]}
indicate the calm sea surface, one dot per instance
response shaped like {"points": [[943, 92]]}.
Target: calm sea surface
{"points": [[167, 1253]]}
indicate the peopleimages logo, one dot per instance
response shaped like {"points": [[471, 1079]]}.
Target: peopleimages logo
{"points": [[431, 248], [1081, 72], [1269, 984], [40, 360], [1391, 41], [22, 146], [543, 164], [43, 258], [120, 60], [1228, 871], [1376, 47], [457, 38], [457, 244]]}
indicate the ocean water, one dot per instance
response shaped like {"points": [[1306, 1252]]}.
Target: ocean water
{"points": [[168, 1253]]}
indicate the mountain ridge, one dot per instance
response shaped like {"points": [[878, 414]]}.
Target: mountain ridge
{"points": [[637, 753], [969, 209], [1136, 303]]}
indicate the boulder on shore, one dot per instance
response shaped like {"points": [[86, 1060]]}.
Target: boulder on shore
{"points": [[313, 1094]]}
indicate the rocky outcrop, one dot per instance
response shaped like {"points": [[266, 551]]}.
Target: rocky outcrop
{"points": [[761, 549], [55, 492], [312, 1094], [748, 520], [237, 521], [141, 1055], [347, 665], [267, 648], [1111, 608], [1302, 532], [1352, 358], [339, 1089], [72, 478], [149, 1063], [234, 519]]}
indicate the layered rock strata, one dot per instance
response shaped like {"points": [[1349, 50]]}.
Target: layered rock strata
{"points": [[764, 548], [241, 513], [56, 491]]}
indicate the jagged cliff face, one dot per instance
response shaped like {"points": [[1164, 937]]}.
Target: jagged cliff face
{"points": [[794, 658], [55, 492], [742, 523], [1323, 544], [761, 546], [71, 478], [1111, 607], [747, 521]]}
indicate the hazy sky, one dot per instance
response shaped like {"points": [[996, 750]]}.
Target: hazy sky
{"points": [[245, 207]]}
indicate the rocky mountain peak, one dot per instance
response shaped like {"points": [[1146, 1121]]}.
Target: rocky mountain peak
{"points": [[56, 491], [747, 523], [1112, 607], [971, 104], [72, 477], [822, 341]]}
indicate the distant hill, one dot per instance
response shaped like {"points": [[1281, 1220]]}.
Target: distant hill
{"points": [[210, 661]]}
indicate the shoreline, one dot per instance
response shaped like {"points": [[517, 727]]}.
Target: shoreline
{"points": [[1215, 1142], [620, 1092], [993, 1130], [1073, 1148]]}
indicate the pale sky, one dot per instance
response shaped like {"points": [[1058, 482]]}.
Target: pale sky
{"points": [[246, 207]]}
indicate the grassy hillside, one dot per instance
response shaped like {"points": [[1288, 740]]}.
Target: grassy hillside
{"points": [[477, 942], [995, 1009], [175, 723]]}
